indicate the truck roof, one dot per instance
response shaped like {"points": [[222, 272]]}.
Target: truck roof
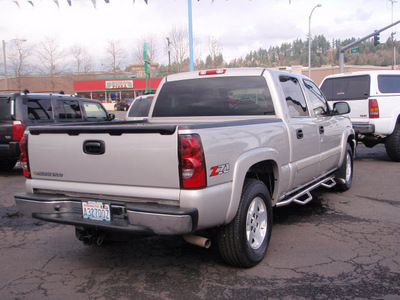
{"points": [[367, 72]]}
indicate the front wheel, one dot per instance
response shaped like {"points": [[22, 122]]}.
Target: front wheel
{"points": [[392, 144], [244, 241], [344, 175]]}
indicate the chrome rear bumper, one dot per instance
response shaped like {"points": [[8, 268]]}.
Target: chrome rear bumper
{"points": [[145, 218]]}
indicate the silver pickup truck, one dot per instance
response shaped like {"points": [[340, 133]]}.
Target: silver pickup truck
{"points": [[219, 150]]}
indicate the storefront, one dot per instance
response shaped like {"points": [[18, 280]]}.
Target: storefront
{"points": [[110, 90]]}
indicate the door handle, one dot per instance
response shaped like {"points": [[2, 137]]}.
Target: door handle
{"points": [[94, 147], [299, 133], [321, 129]]}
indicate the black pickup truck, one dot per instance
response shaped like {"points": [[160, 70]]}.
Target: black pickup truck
{"points": [[21, 110]]}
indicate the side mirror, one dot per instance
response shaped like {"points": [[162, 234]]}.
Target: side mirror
{"points": [[341, 108], [110, 117]]}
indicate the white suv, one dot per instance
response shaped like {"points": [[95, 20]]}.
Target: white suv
{"points": [[374, 99]]}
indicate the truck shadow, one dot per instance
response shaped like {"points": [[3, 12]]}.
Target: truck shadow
{"points": [[299, 213]]}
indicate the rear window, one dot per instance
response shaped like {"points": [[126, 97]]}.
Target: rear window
{"points": [[140, 107], [346, 88], [217, 96], [5, 109], [389, 83]]}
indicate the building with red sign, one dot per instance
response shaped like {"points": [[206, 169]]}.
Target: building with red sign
{"points": [[108, 90]]}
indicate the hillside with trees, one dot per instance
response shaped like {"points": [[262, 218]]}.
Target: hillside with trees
{"points": [[324, 52]]}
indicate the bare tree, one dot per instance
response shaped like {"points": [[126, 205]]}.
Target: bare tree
{"points": [[82, 59], [115, 56], [51, 56], [17, 57], [179, 41], [152, 54], [214, 58]]}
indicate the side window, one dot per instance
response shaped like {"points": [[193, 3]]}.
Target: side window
{"points": [[317, 100], [94, 111], [294, 96], [39, 109], [68, 110], [389, 83]]}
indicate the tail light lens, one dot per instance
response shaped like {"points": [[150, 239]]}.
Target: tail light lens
{"points": [[192, 164], [373, 109], [17, 130], [23, 159]]}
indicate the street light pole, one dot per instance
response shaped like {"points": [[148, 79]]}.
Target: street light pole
{"points": [[309, 40], [190, 34]]}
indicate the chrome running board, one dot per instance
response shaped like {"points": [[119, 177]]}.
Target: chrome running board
{"points": [[304, 196]]}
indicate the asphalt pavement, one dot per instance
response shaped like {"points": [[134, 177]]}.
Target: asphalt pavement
{"points": [[339, 246]]}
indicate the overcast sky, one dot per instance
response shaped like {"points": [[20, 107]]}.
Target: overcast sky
{"points": [[239, 25]]}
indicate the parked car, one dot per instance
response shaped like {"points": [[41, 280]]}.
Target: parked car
{"points": [[123, 104], [21, 110], [374, 99], [139, 110]]}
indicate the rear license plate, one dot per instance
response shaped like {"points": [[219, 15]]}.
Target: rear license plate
{"points": [[96, 211]]}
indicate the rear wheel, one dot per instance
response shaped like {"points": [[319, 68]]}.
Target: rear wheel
{"points": [[245, 240], [392, 144], [344, 175]]}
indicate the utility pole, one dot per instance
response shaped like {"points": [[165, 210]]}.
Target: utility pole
{"points": [[393, 33], [169, 56]]}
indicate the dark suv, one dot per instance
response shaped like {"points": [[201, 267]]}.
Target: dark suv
{"points": [[21, 110], [123, 104]]}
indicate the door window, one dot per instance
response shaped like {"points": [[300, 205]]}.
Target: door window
{"points": [[68, 110], [94, 111], [317, 101], [294, 96]]}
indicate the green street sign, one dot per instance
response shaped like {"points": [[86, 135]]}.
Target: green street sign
{"points": [[354, 50]]}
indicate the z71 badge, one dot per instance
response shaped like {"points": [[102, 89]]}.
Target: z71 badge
{"points": [[221, 169]]}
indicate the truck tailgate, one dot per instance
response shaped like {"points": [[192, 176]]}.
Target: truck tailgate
{"points": [[112, 154]]}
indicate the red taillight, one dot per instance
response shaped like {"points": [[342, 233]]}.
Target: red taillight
{"points": [[23, 159], [212, 72], [373, 109], [192, 165], [17, 130]]}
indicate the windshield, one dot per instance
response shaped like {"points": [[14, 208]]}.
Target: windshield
{"points": [[218, 96]]}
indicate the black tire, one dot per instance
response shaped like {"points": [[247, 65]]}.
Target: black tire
{"points": [[245, 246], [7, 165], [344, 175], [392, 144]]}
